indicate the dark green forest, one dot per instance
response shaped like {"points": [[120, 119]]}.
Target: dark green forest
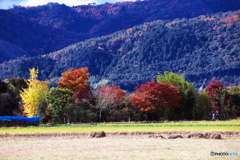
{"points": [[199, 49]]}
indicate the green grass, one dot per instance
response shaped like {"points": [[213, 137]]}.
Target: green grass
{"points": [[170, 126], [76, 129]]}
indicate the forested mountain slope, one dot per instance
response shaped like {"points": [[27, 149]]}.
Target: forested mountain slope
{"points": [[43, 29], [10, 51], [32, 38], [200, 49]]}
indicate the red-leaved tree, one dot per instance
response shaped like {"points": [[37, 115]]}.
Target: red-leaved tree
{"points": [[153, 95], [218, 95]]}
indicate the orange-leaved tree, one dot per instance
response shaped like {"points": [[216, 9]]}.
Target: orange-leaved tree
{"points": [[77, 82], [153, 95]]}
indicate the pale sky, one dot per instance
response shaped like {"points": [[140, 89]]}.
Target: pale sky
{"points": [[5, 4]]}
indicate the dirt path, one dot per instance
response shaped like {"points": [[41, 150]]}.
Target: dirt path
{"points": [[114, 147]]}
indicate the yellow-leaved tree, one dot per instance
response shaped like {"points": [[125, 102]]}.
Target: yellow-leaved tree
{"points": [[36, 91]]}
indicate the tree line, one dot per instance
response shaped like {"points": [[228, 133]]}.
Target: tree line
{"points": [[75, 100]]}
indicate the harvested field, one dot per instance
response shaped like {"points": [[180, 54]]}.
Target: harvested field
{"points": [[122, 141], [225, 134], [114, 147]]}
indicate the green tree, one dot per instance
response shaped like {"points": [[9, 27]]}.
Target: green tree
{"points": [[8, 100], [3, 87], [60, 102], [202, 108], [186, 89], [233, 109], [17, 85], [43, 111], [64, 108]]}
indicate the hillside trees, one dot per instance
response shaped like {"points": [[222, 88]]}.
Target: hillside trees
{"points": [[153, 95], [138, 54], [36, 92]]}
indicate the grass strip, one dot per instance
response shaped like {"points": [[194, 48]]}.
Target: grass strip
{"points": [[78, 129], [178, 126], [156, 125], [59, 129]]}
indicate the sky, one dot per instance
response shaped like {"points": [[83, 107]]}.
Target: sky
{"points": [[5, 4]]}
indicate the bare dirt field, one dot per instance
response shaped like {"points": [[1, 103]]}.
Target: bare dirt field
{"points": [[114, 148]]}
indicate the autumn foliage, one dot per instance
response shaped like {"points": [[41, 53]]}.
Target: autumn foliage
{"points": [[153, 95], [111, 92], [36, 91], [108, 96], [218, 95], [75, 101], [77, 82]]}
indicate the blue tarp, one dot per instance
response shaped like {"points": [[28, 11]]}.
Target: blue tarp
{"points": [[26, 119]]}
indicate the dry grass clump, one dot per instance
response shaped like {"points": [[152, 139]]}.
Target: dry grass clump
{"points": [[42, 134]]}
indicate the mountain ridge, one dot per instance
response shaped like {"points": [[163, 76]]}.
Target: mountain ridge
{"points": [[43, 29], [138, 54]]}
